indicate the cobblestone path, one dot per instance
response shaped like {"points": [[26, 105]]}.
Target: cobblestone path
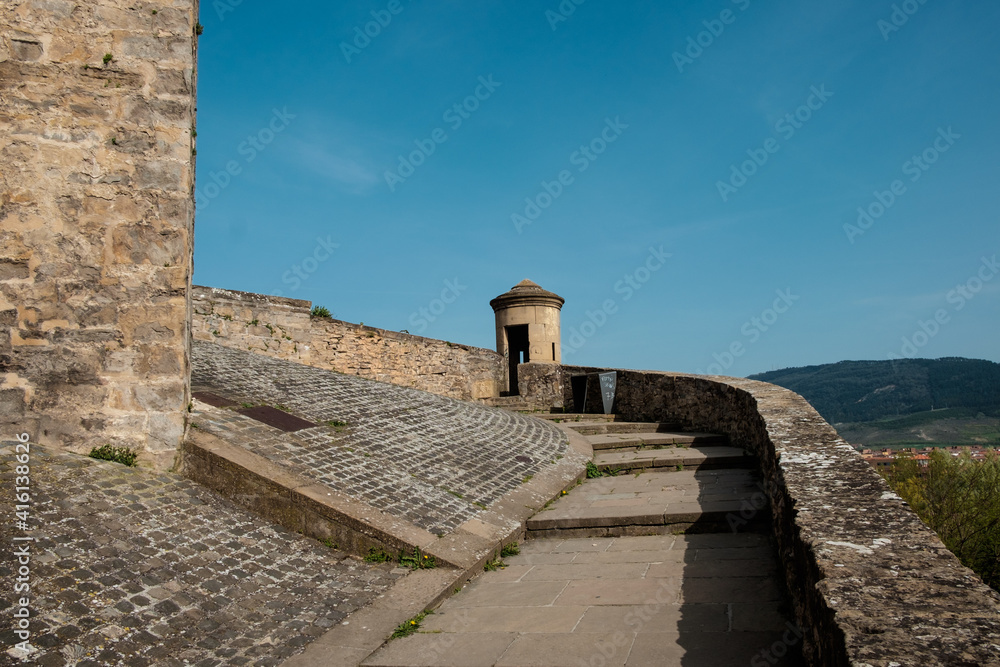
{"points": [[434, 461], [134, 568]]}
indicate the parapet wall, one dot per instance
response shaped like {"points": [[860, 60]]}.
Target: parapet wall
{"points": [[281, 327], [96, 221], [871, 583]]}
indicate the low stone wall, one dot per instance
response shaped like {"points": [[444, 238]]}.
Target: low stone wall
{"points": [[871, 584], [282, 328], [540, 385], [272, 325]]}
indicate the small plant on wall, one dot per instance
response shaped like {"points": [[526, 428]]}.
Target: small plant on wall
{"points": [[123, 455], [320, 311]]}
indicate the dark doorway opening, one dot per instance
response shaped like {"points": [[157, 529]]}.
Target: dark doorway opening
{"points": [[517, 350], [578, 383]]}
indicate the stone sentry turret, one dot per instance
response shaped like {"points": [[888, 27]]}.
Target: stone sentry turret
{"points": [[527, 319]]}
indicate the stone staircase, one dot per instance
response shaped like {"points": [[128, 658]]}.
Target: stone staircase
{"points": [[602, 578], [654, 478]]}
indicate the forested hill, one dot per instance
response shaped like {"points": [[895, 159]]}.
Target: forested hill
{"points": [[864, 391]]}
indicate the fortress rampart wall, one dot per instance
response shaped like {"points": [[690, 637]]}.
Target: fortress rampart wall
{"points": [[282, 328]]}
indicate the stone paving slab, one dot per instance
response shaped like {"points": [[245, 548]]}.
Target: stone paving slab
{"points": [[613, 614], [452, 650], [707, 649], [133, 568], [505, 619], [434, 461]]}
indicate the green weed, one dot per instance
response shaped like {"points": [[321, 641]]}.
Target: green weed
{"points": [[417, 561], [122, 455], [377, 555], [511, 549], [407, 628]]}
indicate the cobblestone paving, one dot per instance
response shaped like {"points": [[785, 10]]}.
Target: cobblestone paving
{"points": [[134, 568], [434, 461]]}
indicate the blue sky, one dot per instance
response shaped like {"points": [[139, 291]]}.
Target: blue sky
{"points": [[688, 175]]}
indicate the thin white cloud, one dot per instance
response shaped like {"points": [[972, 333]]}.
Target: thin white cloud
{"points": [[348, 173], [337, 165]]}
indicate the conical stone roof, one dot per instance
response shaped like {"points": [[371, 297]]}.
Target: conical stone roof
{"points": [[527, 293]]}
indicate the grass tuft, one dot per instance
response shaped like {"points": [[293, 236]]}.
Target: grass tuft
{"points": [[122, 455], [377, 555], [407, 628]]}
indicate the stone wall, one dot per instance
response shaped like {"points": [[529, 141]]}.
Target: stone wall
{"points": [[871, 583], [96, 219], [282, 328], [540, 385], [272, 325]]}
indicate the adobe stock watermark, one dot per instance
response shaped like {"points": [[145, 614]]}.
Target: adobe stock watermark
{"points": [[752, 330], [899, 17], [423, 317], [562, 13], [605, 651], [714, 28], [773, 654], [750, 507], [249, 149], [915, 167], [308, 265], [581, 158], [958, 298], [630, 283], [20, 550], [223, 7], [363, 35], [786, 128], [455, 116]]}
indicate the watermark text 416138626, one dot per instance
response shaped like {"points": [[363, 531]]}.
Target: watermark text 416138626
{"points": [[21, 547]]}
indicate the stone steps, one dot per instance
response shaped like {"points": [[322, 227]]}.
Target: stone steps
{"points": [[602, 428], [653, 502], [676, 458], [570, 418], [604, 570], [626, 441], [657, 482]]}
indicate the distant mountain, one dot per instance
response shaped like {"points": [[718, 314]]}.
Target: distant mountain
{"points": [[867, 391]]}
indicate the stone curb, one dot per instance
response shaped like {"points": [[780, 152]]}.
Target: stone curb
{"points": [[367, 629], [299, 504], [474, 542]]}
